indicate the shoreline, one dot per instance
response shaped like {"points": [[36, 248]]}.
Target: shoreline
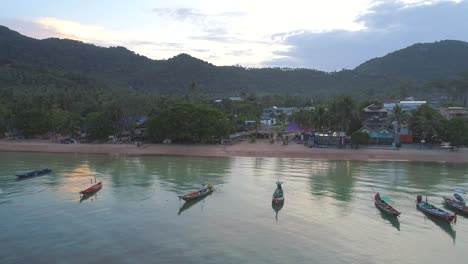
{"points": [[243, 149]]}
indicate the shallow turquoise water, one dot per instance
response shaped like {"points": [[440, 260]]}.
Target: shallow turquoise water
{"points": [[328, 215]]}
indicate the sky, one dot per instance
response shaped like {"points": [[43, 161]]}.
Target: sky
{"points": [[327, 35]]}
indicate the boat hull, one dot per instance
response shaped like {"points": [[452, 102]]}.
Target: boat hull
{"points": [[386, 208], [196, 195], [456, 206], [92, 189], [277, 200], [436, 212], [33, 173], [278, 196]]}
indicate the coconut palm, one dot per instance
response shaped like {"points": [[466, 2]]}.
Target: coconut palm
{"points": [[342, 111], [320, 117], [398, 117]]}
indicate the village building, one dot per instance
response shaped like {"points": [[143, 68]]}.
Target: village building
{"points": [[453, 112], [375, 122], [411, 105]]}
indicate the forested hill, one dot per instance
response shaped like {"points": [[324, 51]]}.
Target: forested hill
{"points": [[439, 60], [118, 67]]}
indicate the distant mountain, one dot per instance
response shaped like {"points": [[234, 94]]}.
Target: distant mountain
{"points": [[120, 68], [427, 61]]}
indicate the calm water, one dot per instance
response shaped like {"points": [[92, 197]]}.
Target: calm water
{"points": [[328, 215]]}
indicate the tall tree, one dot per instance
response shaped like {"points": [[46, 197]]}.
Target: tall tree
{"points": [[399, 117], [342, 111], [321, 117], [457, 132], [99, 125], [428, 123]]}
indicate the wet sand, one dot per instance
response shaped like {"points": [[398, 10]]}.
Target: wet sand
{"points": [[243, 149]]}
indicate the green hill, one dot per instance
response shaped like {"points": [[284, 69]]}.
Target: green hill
{"points": [[439, 60], [118, 67]]}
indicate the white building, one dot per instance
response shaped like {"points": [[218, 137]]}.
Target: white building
{"points": [[411, 105]]}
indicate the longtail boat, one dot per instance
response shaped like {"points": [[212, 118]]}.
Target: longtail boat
{"points": [[96, 187], [198, 194], [455, 205], [431, 210], [384, 206], [31, 174], [457, 195], [278, 194]]}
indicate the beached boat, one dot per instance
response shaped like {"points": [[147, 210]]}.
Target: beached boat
{"points": [[198, 194], [456, 206], [278, 194], [96, 187], [384, 206], [33, 173], [431, 210]]}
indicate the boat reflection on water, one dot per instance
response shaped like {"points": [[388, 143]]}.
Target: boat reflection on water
{"points": [[447, 227], [392, 219], [85, 197], [191, 203], [277, 207]]}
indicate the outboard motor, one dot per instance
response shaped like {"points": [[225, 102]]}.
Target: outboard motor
{"points": [[419, 198]]}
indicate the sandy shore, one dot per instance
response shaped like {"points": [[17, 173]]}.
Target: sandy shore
{"points": [[244, 149]]}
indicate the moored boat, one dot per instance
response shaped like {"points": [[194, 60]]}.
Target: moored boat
{"points": [[198, 194], [431, 210], [384, 206], [33, 173], [96, 187], [455, 205], [278, 194], [457, 195]]}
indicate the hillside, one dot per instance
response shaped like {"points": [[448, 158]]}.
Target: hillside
{"points": [[439, 60], [118, 67]]}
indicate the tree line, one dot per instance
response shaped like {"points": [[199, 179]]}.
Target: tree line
{"points": [[36, 101]]}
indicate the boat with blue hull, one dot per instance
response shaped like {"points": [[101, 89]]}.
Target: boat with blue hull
{"points": [[278, 194], [31, 174], [431, 210], [456, 206]]}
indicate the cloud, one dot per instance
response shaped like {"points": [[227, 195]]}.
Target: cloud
{"points": [[389, 26], [184, 14], [181, 14]]}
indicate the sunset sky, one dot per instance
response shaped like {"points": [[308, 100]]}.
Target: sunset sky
{"points": [[325, 35]]}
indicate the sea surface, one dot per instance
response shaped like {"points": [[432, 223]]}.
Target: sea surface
{"points": [[328, 215]]}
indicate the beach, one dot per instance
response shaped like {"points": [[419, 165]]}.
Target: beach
{"points": [[243, 149]]}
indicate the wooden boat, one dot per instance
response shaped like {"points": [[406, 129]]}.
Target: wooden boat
{"points": [[188, 204], [385, 207], [96, 187], [278, 194], [431, 210], [198, 194], [33, 173], [276, 207], [455, 205], [457, 195]]}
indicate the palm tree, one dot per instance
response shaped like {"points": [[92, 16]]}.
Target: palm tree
{"points": [[398, 117], [427, 121], [342, 111], [320, 117]]}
